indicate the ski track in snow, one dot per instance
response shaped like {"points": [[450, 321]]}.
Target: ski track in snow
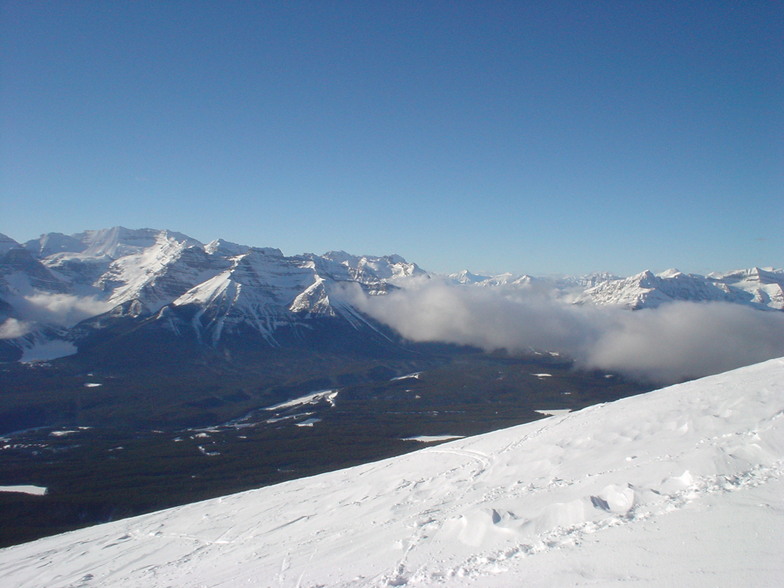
{"points": [[615, 492]]}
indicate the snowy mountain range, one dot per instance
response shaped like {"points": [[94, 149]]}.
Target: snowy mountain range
{"points": [[207, 290], [680, 486], [58, 290], [756, 287]]}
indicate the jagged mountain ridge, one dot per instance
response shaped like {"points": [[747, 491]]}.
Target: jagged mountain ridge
{"points": [[761, 288], [221, 288], [183, 285]]}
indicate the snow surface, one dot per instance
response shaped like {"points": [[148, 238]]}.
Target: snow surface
{"points": [[681, 486]]}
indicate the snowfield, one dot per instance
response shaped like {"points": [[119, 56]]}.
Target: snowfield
{"points": [[681, 486]]}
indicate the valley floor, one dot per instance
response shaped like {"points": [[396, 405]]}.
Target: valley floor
{"points": [[681, 486]]}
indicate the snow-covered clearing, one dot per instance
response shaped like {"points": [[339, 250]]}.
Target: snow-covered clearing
{"points": [[62, 433], [325, 395], [25, 489], [681, 486], [308, 422], [413, 376]]}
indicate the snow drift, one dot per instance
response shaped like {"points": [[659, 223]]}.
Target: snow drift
{"points": [[683, 485]]}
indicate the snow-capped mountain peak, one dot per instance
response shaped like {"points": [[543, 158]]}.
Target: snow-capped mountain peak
{"points": [[671, 273], [369, 268], [467, 277], [7, 243], [225, 248]]}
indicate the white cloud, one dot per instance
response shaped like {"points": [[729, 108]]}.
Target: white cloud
{"points": [[685, 340], [63, 309], [12, 328], [673, 342]]}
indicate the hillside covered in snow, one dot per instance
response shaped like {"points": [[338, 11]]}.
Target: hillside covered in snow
{"points": [[680, 486]]}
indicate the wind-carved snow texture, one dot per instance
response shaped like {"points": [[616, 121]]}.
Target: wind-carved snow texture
{"points": [[681, 486]]}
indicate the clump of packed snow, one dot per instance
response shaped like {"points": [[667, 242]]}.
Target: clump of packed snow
{"points": [[681, 486]]}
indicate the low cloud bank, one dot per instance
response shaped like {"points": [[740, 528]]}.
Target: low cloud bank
{"points": [[62, 310], [671, 343], [13, 328]]}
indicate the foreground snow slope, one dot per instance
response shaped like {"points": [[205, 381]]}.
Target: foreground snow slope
{"points": [[682, 486]]}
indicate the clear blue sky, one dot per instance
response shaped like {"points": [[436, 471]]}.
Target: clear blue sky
{"points": [[535, 137]]}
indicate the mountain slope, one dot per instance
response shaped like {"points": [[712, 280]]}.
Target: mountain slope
{"points": [[681, 485]]}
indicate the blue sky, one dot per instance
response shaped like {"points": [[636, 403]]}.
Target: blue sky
{"points": [[538, 137]]}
